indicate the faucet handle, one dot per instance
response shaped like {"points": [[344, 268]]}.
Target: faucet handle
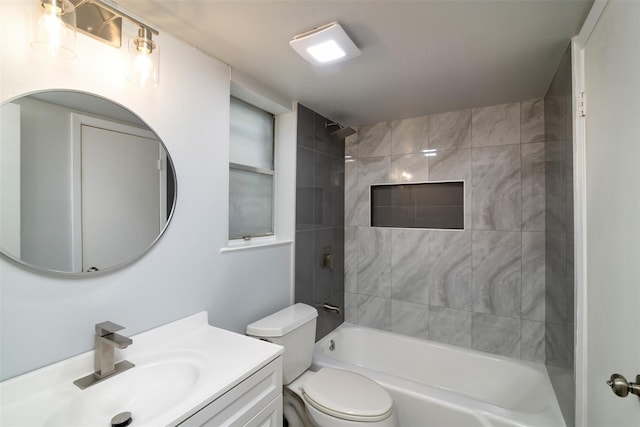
{"points": [[106, 328]]}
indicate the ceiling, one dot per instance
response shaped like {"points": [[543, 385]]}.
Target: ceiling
{"points": [[418, 57]]}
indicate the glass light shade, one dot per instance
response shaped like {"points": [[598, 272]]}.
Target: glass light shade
{"points": [[55, 30], [144, 59]]}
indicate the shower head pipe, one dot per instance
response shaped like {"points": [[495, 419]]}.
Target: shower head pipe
{"points": [[342, 131]]}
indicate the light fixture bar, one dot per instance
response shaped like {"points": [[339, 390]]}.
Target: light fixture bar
{"points": [[105, 5]]}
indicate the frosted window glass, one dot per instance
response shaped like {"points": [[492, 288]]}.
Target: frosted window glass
{"points": [[250, 204], [251, 138]]}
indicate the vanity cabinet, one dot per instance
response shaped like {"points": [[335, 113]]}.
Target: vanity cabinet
{"points": [[255, 402]]}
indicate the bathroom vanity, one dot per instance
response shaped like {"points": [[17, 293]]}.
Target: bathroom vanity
{"points": [[186, 373]]}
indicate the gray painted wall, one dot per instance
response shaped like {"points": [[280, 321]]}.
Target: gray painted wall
{"points": [[46, 318]]}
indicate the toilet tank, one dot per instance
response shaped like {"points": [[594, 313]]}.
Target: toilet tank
{"points": [[294, 328]]}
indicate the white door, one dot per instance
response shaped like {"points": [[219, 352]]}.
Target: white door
{"points": [[612, 129], [10, 179], [121, 203]]}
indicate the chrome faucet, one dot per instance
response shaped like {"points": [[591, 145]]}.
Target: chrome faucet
{"points": [[106, 341]]}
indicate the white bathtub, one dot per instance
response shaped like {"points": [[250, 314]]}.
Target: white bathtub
{"points": [[438, 385]]}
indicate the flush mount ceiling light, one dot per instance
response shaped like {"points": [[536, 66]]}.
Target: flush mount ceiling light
{"points": [[325, 45]]}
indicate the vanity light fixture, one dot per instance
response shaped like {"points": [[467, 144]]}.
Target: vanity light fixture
{"points": [[60, 19], [144, 58], [55, 31], [325, 45]]}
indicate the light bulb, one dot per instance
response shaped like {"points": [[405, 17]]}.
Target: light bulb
{"points": [[52, 26], [55, 32], [143, 58], [143, 67]]}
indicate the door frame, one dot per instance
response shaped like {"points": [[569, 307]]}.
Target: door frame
{"points": [[77, 121], [578, 44]]}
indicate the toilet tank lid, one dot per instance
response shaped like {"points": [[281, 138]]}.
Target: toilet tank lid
{"points": [[283, 321]]}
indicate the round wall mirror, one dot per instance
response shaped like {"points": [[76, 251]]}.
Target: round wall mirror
{"points": [[85, 184]]}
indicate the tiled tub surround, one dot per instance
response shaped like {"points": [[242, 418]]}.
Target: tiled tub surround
{"points": [[482, 287], [559, 281], [319, 218]]}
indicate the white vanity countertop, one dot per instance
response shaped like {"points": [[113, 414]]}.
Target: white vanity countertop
{"points": [[194, 362]]}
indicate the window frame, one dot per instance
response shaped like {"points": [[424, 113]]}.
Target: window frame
{"points": [[253, 169]]}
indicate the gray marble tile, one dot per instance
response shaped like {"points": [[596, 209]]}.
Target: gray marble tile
{"points": [[533, 187], [555, 288], [327, 320], [324, 278], [454, 165], [374, 312], [495, 125], [533, 276], [351, 146], [351, 192], [304, 267], [323, 141], [497, 198], [374, 140], [556, 198], [496, 273], [350, 307], [533, 212], [450, 326], [532, 120], [351, 259], [409, 265], [557, 351], [409, 318], [495, 334], [306, 126], [557, 112], [450, 131], [374, 261], [410, 135], [304, 189], [533, 341], [409, 168], [374, 170], [450, 269]]}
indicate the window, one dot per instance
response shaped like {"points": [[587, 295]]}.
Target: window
{"points": [[251, 171], [420, 205]]}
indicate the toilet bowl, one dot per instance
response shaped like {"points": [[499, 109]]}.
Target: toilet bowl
{"points": [[326, 398]]}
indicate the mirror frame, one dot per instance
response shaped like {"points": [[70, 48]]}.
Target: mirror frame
{"points": [[87, 274]]}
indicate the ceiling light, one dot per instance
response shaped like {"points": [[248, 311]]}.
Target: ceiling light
{"points": [[325, 45]]}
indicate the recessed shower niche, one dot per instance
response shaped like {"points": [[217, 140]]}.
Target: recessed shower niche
{"points": [[438, 205]]}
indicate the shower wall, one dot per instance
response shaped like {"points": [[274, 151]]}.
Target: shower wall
{"points": [[319, 247], [481, 287], [560, 307]]}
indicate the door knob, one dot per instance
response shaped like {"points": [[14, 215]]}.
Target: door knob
{"points": [[621, 387]]}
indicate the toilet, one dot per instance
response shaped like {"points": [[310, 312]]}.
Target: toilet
{"points": [[326, 398]]}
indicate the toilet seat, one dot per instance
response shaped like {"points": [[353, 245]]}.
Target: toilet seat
{"points": [[347, 395]]}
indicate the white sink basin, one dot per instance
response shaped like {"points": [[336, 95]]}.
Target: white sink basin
{"points": [[180, 368], [158, 381]]}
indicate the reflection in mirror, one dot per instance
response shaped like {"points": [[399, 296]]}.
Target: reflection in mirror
{"points": [[85, 185]]}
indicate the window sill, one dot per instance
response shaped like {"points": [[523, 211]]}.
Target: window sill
{"points": [[241, 245]]}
